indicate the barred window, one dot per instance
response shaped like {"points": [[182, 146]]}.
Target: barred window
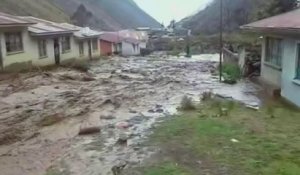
{"points": [[66, 44], [13, 41], [42, 44]]}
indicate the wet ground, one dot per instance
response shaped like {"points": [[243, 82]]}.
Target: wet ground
{"points": [[42, 113]]}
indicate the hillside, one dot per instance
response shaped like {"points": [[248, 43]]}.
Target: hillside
{"points": [[38, 8], [236, 13], [99, 14]]}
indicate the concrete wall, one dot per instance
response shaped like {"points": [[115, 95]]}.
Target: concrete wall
{"points": [[96, 53], [271, 74], [128, 49], [71, 54], [290, 88], [25, 56]]}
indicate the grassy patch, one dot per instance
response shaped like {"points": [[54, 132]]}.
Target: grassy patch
{"points": [[166, 169], [242, 141]]}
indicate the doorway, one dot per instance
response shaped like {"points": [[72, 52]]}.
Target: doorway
{"points": [[56, 51], [90, 48]]}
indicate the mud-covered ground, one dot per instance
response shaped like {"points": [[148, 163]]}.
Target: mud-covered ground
{"points": [[41, 113]]}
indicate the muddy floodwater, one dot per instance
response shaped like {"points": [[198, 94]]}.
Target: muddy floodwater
{"points": [[41, 113]]}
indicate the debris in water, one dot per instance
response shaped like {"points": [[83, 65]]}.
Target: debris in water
{"points": [[89, 130]]}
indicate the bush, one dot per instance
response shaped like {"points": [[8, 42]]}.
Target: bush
{"points": [[187, 104], [231, 73]]}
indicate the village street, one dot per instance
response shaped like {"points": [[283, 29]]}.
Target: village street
{"points": [[42, 112]]}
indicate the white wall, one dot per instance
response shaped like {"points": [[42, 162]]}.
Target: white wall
{"points": [[270, 74], [128, 49], [290, 89], [26, 55]]}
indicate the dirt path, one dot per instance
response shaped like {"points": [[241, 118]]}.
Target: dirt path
{"points": [[42, 113]]}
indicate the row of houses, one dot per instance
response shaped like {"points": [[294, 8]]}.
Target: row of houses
{"points": [[280, 62], [27, 41]]}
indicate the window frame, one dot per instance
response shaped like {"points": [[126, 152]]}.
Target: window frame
{"points": [[272, 58], [95, 44], [17, 45], [42, 47], [66, 44]]}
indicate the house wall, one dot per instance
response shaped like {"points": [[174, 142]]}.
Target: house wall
{"points": [[85, 55], [96, 53], [128, 49], [71, 54], [290, 88], [24, 57], [269, 74], [106, 48]]}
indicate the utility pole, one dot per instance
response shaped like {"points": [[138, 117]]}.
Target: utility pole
{"points": [[221, 39]]}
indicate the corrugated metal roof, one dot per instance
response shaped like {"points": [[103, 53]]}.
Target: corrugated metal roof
{"points": [[44, 27], [286, 21], [11, 20], [84, 32]]}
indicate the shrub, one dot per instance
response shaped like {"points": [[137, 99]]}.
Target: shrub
{"points": [[231, 73], [187, 104]]}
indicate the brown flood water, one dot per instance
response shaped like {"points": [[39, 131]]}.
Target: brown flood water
{"points": [[42, 113]]}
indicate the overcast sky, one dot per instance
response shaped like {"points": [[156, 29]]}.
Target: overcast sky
{"points": [[166, 10]]}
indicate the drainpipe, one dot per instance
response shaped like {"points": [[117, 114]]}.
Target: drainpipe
{"points": [[221, 39]]}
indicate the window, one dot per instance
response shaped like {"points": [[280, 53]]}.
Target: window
{"points": [[65, 43], [13, 41], [298, 63], [42, 48], [95, 44], [81, 48], [274, 51]]}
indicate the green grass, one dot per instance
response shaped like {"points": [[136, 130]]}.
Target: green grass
{"points": [[268, 144], [166, 169]]}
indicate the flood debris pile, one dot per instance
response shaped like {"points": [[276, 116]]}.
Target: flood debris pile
{"points": [[89, 119]]}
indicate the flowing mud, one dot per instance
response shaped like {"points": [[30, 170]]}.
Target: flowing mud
{"points": [[42, 113]]}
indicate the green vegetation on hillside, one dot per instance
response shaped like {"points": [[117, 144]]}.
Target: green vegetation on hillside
{"points": [[38, 8]]}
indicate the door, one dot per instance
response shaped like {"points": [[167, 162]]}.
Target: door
{"points": [[56, 51], [90, 49]]}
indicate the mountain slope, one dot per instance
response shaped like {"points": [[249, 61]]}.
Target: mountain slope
{"points": [[39, 8], [99, 14], [236, 13]]}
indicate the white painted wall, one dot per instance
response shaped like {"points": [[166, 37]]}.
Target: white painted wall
{"points": [[270, 74], [290, 89], [128, 49], [28, 53]]}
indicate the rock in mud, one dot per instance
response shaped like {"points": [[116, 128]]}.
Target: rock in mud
{"points": [[89, 130], [123, 125], [107, 117], [118, 168], [88, 78]]}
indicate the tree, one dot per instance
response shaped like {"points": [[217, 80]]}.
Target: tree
{"points": [[276, 7]]}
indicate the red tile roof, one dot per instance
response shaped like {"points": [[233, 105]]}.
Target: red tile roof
{"points": [[286, 21], [11, 20]]}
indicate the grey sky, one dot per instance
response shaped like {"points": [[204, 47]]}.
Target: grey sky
{"points": [[166, 10]]}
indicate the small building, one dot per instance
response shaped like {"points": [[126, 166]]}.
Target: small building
{"points": [[119, 43], [86, 41], [280, 53], [110, 43], [13, 36]]}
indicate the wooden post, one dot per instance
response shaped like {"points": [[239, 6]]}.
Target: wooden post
{"points": [[221, 39]]}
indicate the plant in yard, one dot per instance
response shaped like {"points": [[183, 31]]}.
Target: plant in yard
{"points": [[187, 104], [231, 73]]}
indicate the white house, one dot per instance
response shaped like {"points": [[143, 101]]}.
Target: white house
{"points": [[281, 52], [50, 43]]}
